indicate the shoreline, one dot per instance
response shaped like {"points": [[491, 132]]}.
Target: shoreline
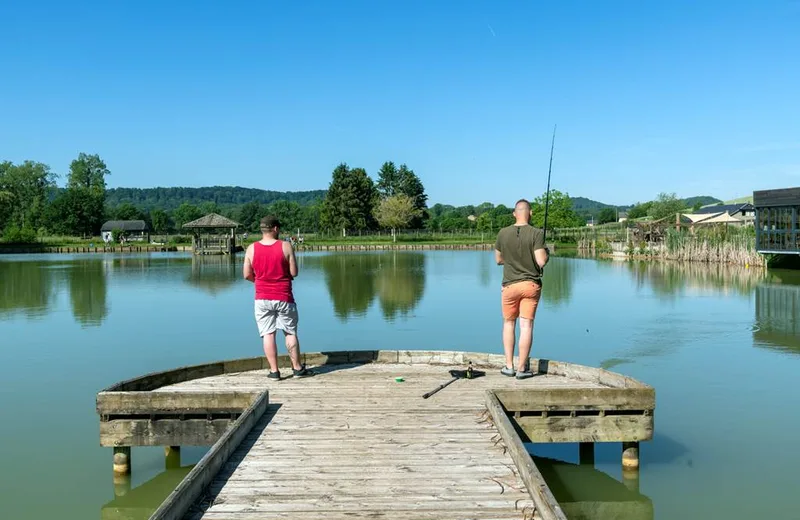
{"points": [[41, 249]]}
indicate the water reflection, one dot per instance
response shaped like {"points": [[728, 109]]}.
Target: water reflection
{"points": [[557, 281], [777, 305], [27, 288], [672, 279], [214, 273], [87, 291], [354, 280], [585, 492], [141, 502]]}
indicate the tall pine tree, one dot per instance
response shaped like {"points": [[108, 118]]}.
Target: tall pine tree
{"points": [[350, 201]]}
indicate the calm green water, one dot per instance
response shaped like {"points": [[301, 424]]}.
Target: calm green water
{"points": [[721, 346]]}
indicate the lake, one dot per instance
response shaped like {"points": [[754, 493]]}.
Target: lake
{"points": [[720, 345]]}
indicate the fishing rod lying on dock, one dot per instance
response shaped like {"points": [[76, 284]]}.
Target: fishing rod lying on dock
{"points": [[469, 373]]}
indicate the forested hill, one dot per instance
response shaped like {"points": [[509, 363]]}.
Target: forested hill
{"points": [[588, 208], [224, 196]]}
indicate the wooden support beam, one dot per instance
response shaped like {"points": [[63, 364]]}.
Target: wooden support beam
{"points": [[586, 453], [172, 457]]}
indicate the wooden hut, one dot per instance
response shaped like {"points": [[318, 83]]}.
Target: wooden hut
{"points": [[213, 234], [777, 229], [132, 230]]}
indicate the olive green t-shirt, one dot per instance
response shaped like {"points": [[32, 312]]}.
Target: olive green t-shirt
{"points": [[517, 244]]}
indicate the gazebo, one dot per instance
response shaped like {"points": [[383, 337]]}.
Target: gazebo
{"points": [[213, 234]]}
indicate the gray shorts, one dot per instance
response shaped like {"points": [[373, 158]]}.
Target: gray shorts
{"points": [[275, 314]]}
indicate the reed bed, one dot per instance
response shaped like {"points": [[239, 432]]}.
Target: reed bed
{"points": [[720, 245]]}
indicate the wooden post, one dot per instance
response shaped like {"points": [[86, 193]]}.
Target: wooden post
{"points": [[172, 457], [586, 453], [630, 455], [122, 460], [630, 477]]}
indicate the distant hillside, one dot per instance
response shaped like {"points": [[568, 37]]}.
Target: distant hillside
{"points": [[588, 208], [223, 196], [704, 200]]}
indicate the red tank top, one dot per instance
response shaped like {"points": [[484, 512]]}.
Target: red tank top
{"points": [[271, 268]]}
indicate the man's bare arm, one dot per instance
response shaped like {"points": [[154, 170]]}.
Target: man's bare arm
{"points": [[292, 260], [542, 256], [498, 257], [247, 270]]}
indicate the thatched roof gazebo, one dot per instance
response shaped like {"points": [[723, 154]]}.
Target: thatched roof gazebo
{"points": [[213, 234]]}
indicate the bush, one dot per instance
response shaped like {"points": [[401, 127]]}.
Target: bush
{"points": [[16, 235]]}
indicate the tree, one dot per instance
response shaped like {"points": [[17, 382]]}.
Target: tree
{"points": [[185, 213], [25, 189], [250, 214], [160, 220], [81, 207], [88, 172], [639, 210], [666, 205], [76, 211], [349, 201], [560, 213], [606, 215], [396, 211], [395, 181], [127, 211]]}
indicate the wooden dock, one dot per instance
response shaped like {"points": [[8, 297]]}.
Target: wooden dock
{"points": [[353, 442]]}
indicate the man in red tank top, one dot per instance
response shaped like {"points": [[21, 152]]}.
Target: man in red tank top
{"points": [[271, 265]]}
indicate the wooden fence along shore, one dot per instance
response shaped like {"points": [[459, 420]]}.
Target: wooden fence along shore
{"points": [[358, 440]]}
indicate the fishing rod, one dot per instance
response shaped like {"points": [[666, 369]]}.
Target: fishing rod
{"points": [[547, 197]]}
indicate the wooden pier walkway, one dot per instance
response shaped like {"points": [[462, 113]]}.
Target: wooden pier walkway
{"points": [[352, 442]]}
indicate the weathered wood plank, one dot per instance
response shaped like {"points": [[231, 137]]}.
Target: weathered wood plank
{"points": [[392, 514], [178, 503], [164, 432], [132, 403], [610, 428], [536, 399], [546, 504]]}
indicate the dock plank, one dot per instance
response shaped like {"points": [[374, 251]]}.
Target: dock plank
{"points": [[351, 442]]}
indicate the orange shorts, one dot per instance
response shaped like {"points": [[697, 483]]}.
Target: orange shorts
{"points": [[520, 300]]}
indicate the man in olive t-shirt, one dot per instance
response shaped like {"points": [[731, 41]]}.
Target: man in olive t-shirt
{"points": [[521, 251]]}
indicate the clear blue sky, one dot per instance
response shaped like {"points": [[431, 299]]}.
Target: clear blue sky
{"points": [[690, 97]]}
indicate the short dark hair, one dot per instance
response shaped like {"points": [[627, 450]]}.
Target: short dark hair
{"points": [[522, 201], [269, 222]]}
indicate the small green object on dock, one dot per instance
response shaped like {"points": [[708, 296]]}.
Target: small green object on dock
{"points": [[399, 379]]}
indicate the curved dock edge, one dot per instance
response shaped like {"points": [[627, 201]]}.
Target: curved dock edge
{"points": [[160, 379]]}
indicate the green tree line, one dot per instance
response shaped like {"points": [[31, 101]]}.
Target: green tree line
{"points": [[32, 205]]}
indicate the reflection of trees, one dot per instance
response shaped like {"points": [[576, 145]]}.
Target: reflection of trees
{"points": [[87, 291], [355, 279], [27, 287], [778, 312], [672, 278], [557, 281], [400, 283], [214, 273]]}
